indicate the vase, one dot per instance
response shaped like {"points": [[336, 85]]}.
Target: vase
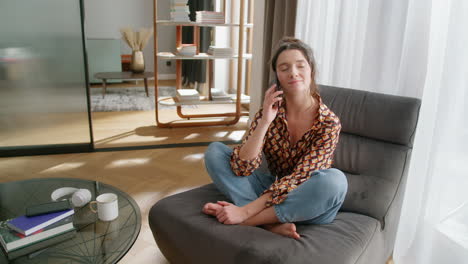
{"points": [[138, 63]]}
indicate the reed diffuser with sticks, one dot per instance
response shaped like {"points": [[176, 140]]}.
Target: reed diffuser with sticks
{"points": [[136, 40]]}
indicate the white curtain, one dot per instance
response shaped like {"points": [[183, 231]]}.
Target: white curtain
{"points": [[413, 48], [372, 45]]}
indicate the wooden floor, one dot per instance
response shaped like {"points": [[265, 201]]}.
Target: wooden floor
{"points": [[146, 175], [137, 128]]}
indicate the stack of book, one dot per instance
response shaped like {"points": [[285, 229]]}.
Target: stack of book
{"points": [[180, 11], [210, 17], [220, 51], [244, 98], [24, 235], [219, 95], [187, 50], [184, 95]]}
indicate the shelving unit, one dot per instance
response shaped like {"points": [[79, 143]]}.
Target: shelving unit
{"points": [[233, 116], [175, 23], [199, 56]]}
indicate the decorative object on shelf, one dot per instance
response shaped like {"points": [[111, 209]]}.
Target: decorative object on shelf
{"points": [[220, 51], [210, 17], [219, 95], [188, 95], [180, 11], [126, 60], [187, 50], [138, 62], [136, 40]]}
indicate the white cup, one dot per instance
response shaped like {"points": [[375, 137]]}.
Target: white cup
{"points": [[107, 206]]}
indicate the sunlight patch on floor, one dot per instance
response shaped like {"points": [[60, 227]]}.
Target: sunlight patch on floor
{"points": [[159, 138], [63, 167], [181, 190], [192, 136], [237, 134], [194, 157], [221, 134], [127, 163], [144, 196]]}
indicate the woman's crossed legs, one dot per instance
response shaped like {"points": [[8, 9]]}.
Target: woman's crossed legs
{"points": [[315, 201]]}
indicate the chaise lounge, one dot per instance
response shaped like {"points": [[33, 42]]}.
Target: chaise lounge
{"points": [[374, 152]]}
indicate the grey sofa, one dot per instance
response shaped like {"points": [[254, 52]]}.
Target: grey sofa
{"points": [[374, 152]]}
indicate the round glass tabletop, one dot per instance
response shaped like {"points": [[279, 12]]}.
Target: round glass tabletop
{"points": [[95, 241]]}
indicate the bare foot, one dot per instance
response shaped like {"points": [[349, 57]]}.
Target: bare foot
{"points": [[286, 229], [211, 208]]}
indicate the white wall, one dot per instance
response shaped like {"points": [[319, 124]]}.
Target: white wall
{"points": [[222, 39], [104, 18], [258, 62]]}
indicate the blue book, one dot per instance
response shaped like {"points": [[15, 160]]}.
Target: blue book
{"points": [[28, 225], [12, 240]]}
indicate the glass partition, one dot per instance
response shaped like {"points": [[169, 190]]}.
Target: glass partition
{"points": [[43, 90]]}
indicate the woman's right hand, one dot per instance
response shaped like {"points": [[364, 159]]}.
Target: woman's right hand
{"points": [[253, 143], [270, 104]]}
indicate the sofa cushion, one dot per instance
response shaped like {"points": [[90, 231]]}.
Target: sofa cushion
{"points": [[374, 147], [374, 115], [182, 230]]}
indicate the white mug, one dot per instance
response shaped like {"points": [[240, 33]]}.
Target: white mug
{"points": [[107, 206]]}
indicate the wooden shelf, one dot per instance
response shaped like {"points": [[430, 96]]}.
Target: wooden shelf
{"points": [[174, 101], [229, 118], [181, 23], [201, 56]]}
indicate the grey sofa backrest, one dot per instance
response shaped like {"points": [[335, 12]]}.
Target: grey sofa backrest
{"points": [[375, 145]]}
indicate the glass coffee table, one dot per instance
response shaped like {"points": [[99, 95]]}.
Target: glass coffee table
{"points": [[95, 241]]}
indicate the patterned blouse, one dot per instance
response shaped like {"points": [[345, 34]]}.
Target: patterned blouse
{"points": [[292, 165]]}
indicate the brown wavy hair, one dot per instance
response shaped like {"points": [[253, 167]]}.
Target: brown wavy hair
{"points": [[290, 43]]}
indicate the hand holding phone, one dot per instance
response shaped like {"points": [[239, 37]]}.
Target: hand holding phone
{"points": [[278, 85], [278, 88]]}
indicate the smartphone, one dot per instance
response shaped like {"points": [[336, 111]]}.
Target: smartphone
{"points": [[278, 88], [45, 208], [278, 85]]}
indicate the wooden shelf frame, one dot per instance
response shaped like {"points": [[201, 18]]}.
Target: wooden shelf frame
{"points": [[203, 101], [176, 23], [199, 56], [234, 116]]}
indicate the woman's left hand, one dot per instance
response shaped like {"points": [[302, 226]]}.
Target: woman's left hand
{"points": [[231, 214]]}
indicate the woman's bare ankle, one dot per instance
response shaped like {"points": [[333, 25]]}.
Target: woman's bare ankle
{"points": [[284, 229]]}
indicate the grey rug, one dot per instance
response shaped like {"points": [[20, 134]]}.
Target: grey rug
{"points": [[127, 99]]}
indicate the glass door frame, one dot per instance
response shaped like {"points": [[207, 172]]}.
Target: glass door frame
{"points": [[61, 148]]}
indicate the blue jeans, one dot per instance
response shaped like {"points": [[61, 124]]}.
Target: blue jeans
{"points": [[316, 201]]}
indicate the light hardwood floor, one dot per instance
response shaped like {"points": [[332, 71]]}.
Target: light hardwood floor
{"points": [[146, 175], [117, 129]]}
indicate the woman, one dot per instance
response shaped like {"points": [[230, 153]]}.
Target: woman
{"points": [[297, 134]]}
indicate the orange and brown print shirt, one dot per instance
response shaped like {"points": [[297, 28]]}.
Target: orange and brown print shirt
{"points": [[292, 165]]}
